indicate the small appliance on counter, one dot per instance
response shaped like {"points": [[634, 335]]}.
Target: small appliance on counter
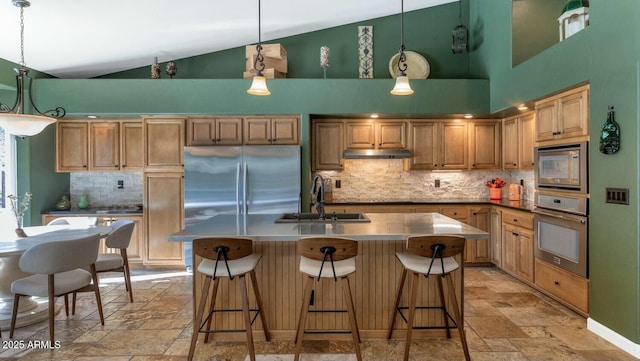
{"points": [[515, 192]]}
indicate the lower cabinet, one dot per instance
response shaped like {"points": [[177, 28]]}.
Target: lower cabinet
{"points": [[517, 245], [478, 251], [570, 289], [495, 236], [163, 207]]}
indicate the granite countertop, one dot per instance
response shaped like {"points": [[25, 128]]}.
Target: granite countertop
{"points": [[383, 226], [524, 205]]}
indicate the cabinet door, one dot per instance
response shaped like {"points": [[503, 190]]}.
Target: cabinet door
{"points": [[132, 148], [201, 131], [573, 117], [484, 144], [509, 248], [546, 115], [72, 146], [135, 249], [257, 131], [327, 145], [164, 144], [423, 145], [361, 135], [510, 143], [454, 147], [496, 237], [526, 131], [284, 131], [163, 216], [525, 257], [104, 148], [391, 135], [481, 219], [228, 131]]}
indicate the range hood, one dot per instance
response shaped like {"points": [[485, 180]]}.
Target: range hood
{"points": [[376, 154]]}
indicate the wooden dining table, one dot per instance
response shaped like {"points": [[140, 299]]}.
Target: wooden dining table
{"points": [[31, 309]]}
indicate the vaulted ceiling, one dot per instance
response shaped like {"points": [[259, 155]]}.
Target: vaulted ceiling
{"points": [[83, 39]]}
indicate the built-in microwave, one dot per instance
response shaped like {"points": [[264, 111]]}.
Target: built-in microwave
{"points": [[562, 167]]}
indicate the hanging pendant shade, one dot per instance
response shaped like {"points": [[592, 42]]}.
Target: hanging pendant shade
{"points": [[259, 86], [402, 86]]}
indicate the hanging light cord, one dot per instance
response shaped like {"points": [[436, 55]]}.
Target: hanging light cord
{"points": [[402, 61], [22, 63], [460, 11], [258, 63]]}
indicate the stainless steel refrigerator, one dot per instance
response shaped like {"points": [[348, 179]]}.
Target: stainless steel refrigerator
{"points": [[239, 180]]}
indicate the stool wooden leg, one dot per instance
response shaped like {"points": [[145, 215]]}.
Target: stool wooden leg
{"points": [[263, 318], [302, 320], [198, 316], [412, 313], [212, 304], [458, 316], [443, 303], [352, 316], [397, 304], [247, 317]]}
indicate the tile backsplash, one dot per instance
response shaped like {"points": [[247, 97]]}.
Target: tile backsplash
{"points": [[382, 180], [102, 188]]}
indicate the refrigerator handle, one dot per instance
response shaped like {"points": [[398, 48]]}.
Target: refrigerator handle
{"points": [[238, 189], [245, 201]]}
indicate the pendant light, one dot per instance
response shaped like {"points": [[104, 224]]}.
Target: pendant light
{"points": [[259, 83], [402, 86], [13, 120]]}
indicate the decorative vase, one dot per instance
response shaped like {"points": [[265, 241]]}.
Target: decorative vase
{"points": [[19, 230], [495, 193], [63, 204], [83, 203]]}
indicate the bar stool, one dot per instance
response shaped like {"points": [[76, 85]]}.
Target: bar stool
{"points": [[324, 257], [227, 257], [430, 255]]}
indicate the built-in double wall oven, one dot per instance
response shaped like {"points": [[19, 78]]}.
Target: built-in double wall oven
{"points": [[561, 207]]}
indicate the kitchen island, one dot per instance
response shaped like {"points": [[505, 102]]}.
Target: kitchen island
{"points": [[374, 283]]}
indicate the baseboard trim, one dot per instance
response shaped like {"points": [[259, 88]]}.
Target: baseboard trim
{"points": [[613, 337]]}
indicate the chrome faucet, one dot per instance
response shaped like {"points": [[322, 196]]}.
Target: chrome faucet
{"points": [[318, 195]]}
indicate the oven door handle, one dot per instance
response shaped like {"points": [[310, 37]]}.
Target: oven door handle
{"points": [[558, 215]]}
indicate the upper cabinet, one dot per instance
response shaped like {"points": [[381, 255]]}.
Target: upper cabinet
{"points": [[163, 143], [484, 144], [438, 144], [518, 141], [374, 134], [211, 130], [98, 146], [282, 130], [327, 145], [563, 116]]}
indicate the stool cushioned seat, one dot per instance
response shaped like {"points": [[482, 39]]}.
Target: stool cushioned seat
{"points": [[236, 266], [312, 267], [420, 264]]}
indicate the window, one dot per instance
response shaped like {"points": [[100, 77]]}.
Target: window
{"points": [[7, 177]]}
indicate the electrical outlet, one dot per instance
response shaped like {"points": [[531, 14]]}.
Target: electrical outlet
{"points": [[120, 184], [522, 182], [436, 183], [338, 183]]}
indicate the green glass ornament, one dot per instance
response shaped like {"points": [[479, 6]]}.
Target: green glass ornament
{"points": [[610, 135]]}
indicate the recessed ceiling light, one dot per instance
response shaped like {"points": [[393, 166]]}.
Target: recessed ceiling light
{"points": [[375, 115], [468, 116]]}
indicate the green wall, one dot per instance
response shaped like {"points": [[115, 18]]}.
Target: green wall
{"points": [[427, 32], [606, 55]]}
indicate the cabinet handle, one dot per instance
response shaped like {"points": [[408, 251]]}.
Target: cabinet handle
{"points": [[515, 220], [515, 234], [514, 164], [556, 283], [532, 163], [124, 166], [473, 165], [435, 165], [219, 139], [84, 166], [115, 166]]}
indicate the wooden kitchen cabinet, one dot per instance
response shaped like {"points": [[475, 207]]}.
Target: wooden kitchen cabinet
{"points": [[280, 130], [563, 116], [212, 130], [566, 287], [518, 141], [478, 251], [484, 144], [438, 145], [496, 236], [163, 208], [72, 146], [327, 145], [163, 143], [104, 146], [517, 244], [374, 134], [131, 146]]}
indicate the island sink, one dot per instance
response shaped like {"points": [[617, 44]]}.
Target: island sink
{"points": [[315, 218]]}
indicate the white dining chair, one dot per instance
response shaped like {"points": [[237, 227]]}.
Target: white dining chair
{"points": [[74, 221], [58, 269], [118, 239]]}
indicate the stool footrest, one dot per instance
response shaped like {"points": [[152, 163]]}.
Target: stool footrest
{"points": [[453, 321], [253, 319]]}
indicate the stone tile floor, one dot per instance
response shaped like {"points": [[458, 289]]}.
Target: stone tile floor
{"points": [[505, 320]]}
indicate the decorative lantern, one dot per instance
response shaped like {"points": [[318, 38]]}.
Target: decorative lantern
{"points": [[574, 17]]}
